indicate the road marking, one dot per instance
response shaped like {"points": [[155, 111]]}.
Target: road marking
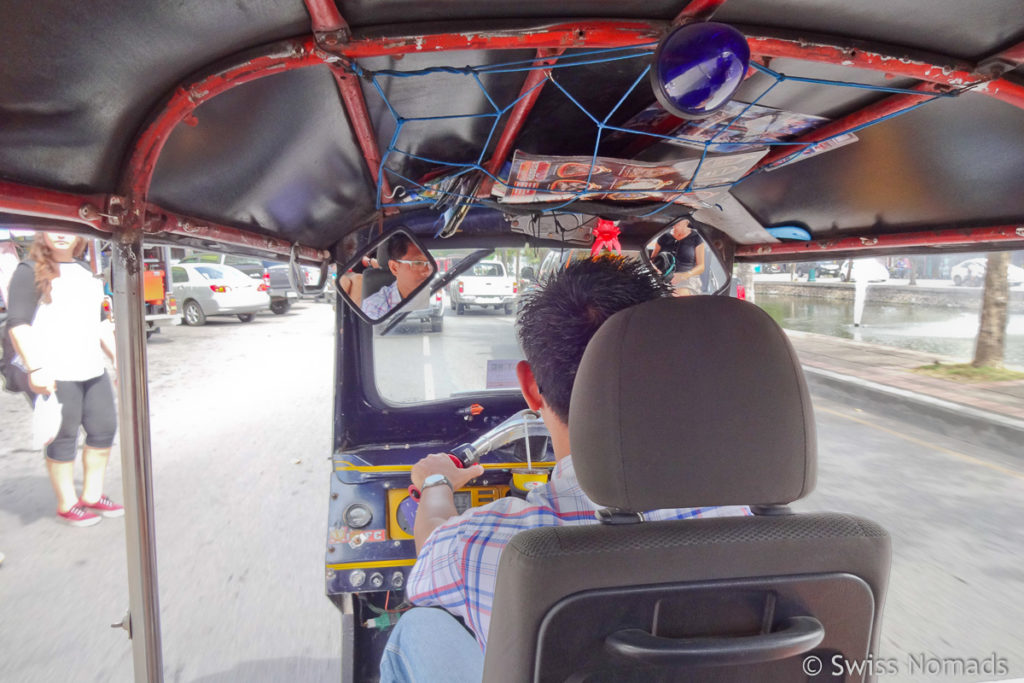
{"points": [[428, 371], [955, 454]]}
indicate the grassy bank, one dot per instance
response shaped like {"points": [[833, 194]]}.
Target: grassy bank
{"points": [[965, 372]]}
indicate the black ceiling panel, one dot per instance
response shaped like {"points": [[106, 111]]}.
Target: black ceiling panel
{"points": [[275, 155], [945, 164], [78, 78]]}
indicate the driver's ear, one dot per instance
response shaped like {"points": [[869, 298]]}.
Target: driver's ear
{"points": [[528, 385], [393, 267]]}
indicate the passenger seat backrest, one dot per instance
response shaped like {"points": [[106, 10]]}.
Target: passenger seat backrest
{"points": [[681, 403], [375, 279]]}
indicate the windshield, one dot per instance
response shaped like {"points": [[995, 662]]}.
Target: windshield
{"points": [[465, 341]]}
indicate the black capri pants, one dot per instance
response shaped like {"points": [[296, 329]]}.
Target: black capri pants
{"points": [[88, 404]]}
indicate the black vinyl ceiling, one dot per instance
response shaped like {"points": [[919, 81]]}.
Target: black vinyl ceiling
{"points": [[277, 156]]}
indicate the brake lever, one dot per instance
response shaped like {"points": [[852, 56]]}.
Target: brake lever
{"points": [[526, 423]]}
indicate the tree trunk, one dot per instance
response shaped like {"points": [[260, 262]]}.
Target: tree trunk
{"points": [[992, 329], [913, 273], [746, 276]]}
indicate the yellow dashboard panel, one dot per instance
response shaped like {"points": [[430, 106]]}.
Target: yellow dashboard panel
{"points": [[400, 528]]}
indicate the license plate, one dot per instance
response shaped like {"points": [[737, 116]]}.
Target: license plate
{"points": [[488, 300]]}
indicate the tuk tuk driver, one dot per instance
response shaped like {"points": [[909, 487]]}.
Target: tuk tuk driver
{"points": [[410, 268], [458, 555]]}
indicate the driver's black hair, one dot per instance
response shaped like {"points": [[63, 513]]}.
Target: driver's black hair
{"points": [[398, 244], [560, 317]]}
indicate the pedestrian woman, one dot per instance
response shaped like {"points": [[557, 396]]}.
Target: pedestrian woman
{"points": [[57, 325]]}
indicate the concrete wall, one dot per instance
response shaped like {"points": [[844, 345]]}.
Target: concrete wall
{"points": [[968, 298]]}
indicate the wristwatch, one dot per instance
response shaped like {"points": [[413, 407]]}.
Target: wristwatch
{"points": [[436, 480]]}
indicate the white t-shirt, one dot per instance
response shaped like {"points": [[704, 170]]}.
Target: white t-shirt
{"points": [[67, 330]]}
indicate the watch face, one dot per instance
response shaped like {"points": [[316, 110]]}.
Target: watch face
{"points": [[433, 479]]}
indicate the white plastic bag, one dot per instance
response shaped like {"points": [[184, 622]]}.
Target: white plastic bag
{"points": [[46, 420]]}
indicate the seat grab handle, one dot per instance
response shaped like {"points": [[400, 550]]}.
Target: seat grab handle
{"points": [[795, 636]]}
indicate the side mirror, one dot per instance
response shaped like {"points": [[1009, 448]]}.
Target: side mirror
{"points": [[683, 258], [386, 275]]}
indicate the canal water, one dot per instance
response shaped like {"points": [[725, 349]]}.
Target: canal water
{"points": [[942, 331]]}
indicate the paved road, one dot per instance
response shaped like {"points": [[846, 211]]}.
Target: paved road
{"points": [[241, 438], [953, 510], [241, 417]]}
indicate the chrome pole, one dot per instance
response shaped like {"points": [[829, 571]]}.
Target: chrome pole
{"points": [[143, 622]]}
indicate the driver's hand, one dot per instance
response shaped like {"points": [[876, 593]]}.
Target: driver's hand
{"points": [[441, 463]]}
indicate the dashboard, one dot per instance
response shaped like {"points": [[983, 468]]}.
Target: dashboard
{"points": [[370, 546]]}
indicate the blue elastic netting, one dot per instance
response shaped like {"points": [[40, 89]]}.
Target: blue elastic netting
{"points": [[576, 60]]}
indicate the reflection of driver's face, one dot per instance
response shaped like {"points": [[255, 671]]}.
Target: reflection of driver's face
{"points": [[681, 229], [410, 276]]}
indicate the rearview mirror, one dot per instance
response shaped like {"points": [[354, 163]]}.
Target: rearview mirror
{"points": [[683, 258], [385, 276]]}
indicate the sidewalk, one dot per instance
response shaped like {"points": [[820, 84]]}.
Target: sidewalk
{"points": [[882, 375]]}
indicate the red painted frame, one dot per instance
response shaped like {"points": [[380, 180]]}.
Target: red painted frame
{"points": [[876, 111], [330, 27], [698, 10], [528, 95], [355, 107], [27, 200], [161, 221], [303, 52], [952, 236], [276, 58], [325, 16]]}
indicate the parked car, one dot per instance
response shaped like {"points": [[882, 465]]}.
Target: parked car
{"points": [[821, 269], [310, 279], [203, 290], [282, 294], [487, 284], [864, 270], [972, 272], [253, 267], [433, 313]]}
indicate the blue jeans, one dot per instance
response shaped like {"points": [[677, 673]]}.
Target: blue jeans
{"points": [[428, 645]]}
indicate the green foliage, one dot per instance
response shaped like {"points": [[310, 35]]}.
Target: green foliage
{"points": [[965, 372]]}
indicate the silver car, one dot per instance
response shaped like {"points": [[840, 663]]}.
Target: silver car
{"points": [[203, 290]]}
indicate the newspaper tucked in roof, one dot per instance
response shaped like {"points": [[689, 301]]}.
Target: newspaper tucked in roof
{"points": [[535, 178]]}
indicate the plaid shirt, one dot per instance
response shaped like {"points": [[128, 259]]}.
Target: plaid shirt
{"points": [[381, 301], [458, 566]]}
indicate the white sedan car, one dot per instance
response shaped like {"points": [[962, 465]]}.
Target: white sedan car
{"points": [[203, 290], [864, 270], [972, 272]]}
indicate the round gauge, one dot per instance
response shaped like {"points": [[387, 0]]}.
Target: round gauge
{"points": [[406, 515], [357, 516]]}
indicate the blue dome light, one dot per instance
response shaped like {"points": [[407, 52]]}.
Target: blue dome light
{"points": [[698, 67]]}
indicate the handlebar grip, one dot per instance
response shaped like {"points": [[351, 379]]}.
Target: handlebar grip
{"points": [[795, 636], [462, 455]]}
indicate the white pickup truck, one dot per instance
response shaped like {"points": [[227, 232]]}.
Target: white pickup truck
{"points": [[486, 284]]}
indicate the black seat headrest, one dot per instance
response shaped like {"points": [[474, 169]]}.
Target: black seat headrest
{"points": [[374, 279], [690, 402]]}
